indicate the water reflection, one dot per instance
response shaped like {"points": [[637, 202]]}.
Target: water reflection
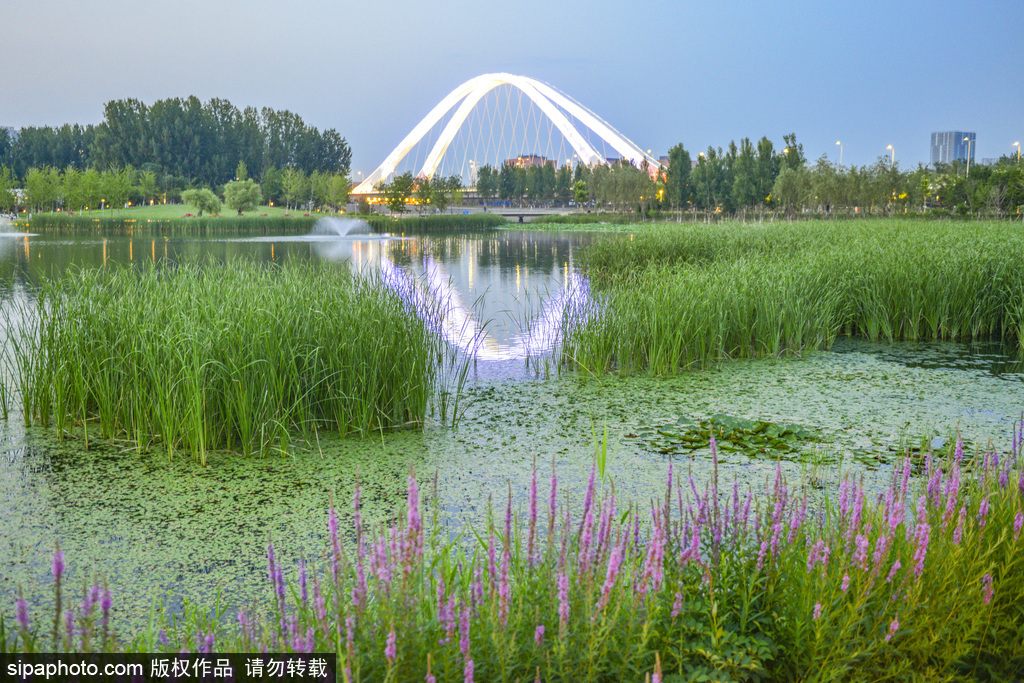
{"points": [[497, 295]]}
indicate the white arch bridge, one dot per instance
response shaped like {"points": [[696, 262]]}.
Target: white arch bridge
{"points": [[577, 125]]}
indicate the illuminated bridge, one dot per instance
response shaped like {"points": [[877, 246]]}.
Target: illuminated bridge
{"points": [[498, 117]]}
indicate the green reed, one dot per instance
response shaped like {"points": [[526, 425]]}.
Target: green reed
{"points": [[222, 356], [679, 297], [434, 223]]}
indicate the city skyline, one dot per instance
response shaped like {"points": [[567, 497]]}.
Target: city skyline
{"points": [[868, 77]]}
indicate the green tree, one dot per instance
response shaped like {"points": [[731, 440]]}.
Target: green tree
{"points": [[41, 188], [744, 177], [563, 184], [294, 186], [241, 171], [792, 188], [487, 183], [423, 193], [507, 181], [202, 200], [442, 191], [117, 184], [580, 193], [7, 197], [793, 152], [679, 190], [147, 185], [242, 195], [398, 192], [272, 185], [338, 187]]}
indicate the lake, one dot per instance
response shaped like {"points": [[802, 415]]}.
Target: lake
{"points": [[172, 528]]}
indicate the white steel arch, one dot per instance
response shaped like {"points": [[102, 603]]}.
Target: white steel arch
{"points": [[547, 99]]}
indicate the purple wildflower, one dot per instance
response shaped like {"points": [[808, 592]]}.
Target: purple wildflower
{"points": [[677, 606], [959, 532], [467, 672], [892, 572], [538, 634], [892, 628], [846, 582], [391, 647], [105, 603], [817, 611], [614, 561], [332, 527], [21, 610], [464, 631], [504, 587], [58, 563], [563, 599], [986, 588], [921, 538], [1018, 522], [982, 512], [860, 555]]}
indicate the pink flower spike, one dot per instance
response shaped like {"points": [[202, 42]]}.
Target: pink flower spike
{"points": [[892, 628], [538, 634], [986, 588], [391, 648], [21, 609], [58, 563]]}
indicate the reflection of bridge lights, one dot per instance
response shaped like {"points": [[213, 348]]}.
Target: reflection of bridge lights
{"points": [[444, 310]]}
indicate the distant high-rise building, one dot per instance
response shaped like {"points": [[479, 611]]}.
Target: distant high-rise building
{"points": [[952, 146]]}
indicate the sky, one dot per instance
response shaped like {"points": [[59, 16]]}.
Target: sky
{"points": [[870, 73]]}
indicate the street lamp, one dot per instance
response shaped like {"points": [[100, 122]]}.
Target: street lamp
{"points": [[968, 141], [889, 147], [840, 152]]}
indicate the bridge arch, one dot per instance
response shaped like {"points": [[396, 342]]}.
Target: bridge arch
{"points": [[465, 97]]}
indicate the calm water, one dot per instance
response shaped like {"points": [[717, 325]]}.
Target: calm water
{"points": [[172, 528]]}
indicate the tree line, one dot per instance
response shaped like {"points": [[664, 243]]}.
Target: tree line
{"points": [[748, 177], [182, 141], [50, 189], [760, 177]]}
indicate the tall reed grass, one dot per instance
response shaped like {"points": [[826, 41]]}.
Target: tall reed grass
{"points": [[232, 356], [685, 296], [435, 223], [922, 580]]}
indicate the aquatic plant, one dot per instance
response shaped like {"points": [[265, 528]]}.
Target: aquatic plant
{"points": [[222, 356], [681, 297], [924, 578]]}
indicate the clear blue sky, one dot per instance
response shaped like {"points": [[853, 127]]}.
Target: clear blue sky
{"points": [[869, 73]]}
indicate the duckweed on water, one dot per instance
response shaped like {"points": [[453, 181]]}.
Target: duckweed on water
{"points": [[734, 435]]}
